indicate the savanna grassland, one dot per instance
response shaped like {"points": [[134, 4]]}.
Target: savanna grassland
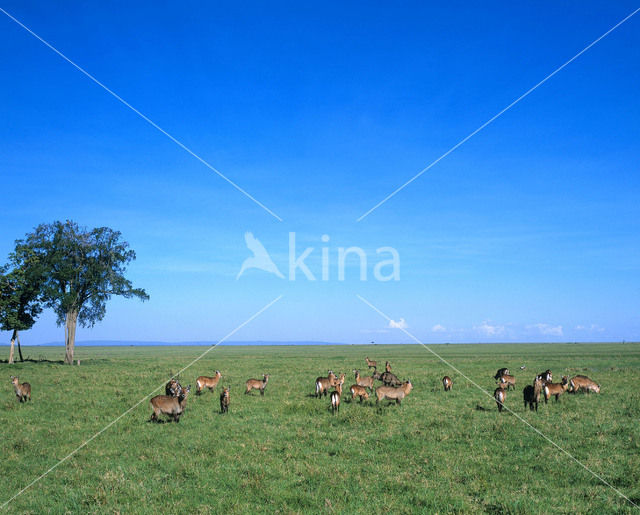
{"points": [[286, 453]]}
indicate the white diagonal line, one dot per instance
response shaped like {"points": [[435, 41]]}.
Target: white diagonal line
{"points": [[146, 119], [4, 505], [492, 119], [383, 315]]}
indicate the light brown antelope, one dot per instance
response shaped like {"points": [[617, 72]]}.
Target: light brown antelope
{"points": [[501, 372], [23, 391], [583, 383], [224, 400], [169, 405], [257, 384], [387, 367], [324, 383], [371, 364], [367, 382], [447, 383], [531, 394], [358, 391], [207, 382], [390, 379], [546, 376], [393, 393], [500, 395], [555, 389], [508, 381], [336, 394]]}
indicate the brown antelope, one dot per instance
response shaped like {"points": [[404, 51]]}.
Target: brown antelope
{"points": [[500, 395], [207, 382], [371, 364], [546, 376], [324, 383], [173, 388], [508, 381], [583, 383], [392, 393], [367, 382], [358, 391], [447, 383], [555, 389], [336, 394], [169, 405], [23, 391], [501, 372], [224, 400], [389, 379], [387, 367], [257, 384], [376, 375], [531, 394]]}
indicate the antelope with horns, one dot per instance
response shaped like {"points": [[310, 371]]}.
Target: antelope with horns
{"points": [[358, 391], [224, 400], [447, 383], [393, 393], [500, 395], [555, 389], [367, 382], [257, 384], [508, 381], [546, 376], [531, 394], [583, 383], [169, 405], [207, 382], [371, 364], [336, 394], [501, 372], [23, 391], [324, 383]]}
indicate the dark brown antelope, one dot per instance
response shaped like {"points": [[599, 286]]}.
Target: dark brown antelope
{"points": [[583, 383], [447, 383], [393, 393], [500, 395], [169, 405], [387, 367], [546, 376], [358, 391], [23, 391], [367, 382], [508, 381], [555, 389], [390, 379], [257, 384], [207, 382], [371, 364], [173, 388], [324, 383], [531, 394], [501, 372], [224, 400]]}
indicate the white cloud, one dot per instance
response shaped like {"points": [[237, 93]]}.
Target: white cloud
{"points": [[438, 328], [547, 330], [489, 330], [400, 324], [594, 328]]}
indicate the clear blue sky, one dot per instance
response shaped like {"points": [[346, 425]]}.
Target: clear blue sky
{"points": [[527, 232]]}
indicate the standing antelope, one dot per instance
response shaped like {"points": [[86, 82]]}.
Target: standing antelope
{"points": [[501, 372], [578, 383], [224, 400], [169, 405], [324, 383], [257, 384], [173, 388], [387, 367], [358, 391], [23, 391], [508, 380], [531, 394], [336, 394], [500, 395], [389, 379], [546, 376], [393, 393], [371, 364], [367, 382], [447, 383], [207, 382], [555, 389]]}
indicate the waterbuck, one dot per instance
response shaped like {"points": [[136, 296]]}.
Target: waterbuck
{"points": [[224, 400], [173, 388], [500, 395], [501, 372], [257, 384], [336, 394], [447, 383], [390, 379], [392, 393], [358, 391], [508, 381], [371, 364], [531, 394], [583, 383], [367, 382], [169, 405], [23, 391], [324, 383], [555, 389], [207, 382]]}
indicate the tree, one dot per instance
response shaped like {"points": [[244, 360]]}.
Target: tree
{"points": [[82, 270], [20, 295]]}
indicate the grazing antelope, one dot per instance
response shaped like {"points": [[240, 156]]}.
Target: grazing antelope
{"points": [[501, 372], [393, 393], [546, 376], [376, 375], [387, 367], [358, 391], [578, 383], [371, 364], [336, 394], [389, 379], [324, 383], [531, 394], [257, 384], [23, 391], [207, 382], [169, 405], [508, 380], [555, 389], [500, 395], [447, 383], [367, 382], [173, 388], [224, 400]]}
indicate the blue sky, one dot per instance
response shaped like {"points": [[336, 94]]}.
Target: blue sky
{"points": [[527, 232]]}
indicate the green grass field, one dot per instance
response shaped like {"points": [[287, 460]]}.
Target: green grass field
{"points": [[286, 453]]}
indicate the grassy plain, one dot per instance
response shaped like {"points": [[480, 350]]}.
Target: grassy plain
{"points": [[285, 452]]}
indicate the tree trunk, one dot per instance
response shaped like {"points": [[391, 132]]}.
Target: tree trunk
{"points": [[19, 348], [70, 336], [13, 341]]}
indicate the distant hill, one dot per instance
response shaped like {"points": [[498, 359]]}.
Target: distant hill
{"points": [[132, 343]]}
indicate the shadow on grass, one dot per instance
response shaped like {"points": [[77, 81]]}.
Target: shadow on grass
{"points": [[31, 360]]}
